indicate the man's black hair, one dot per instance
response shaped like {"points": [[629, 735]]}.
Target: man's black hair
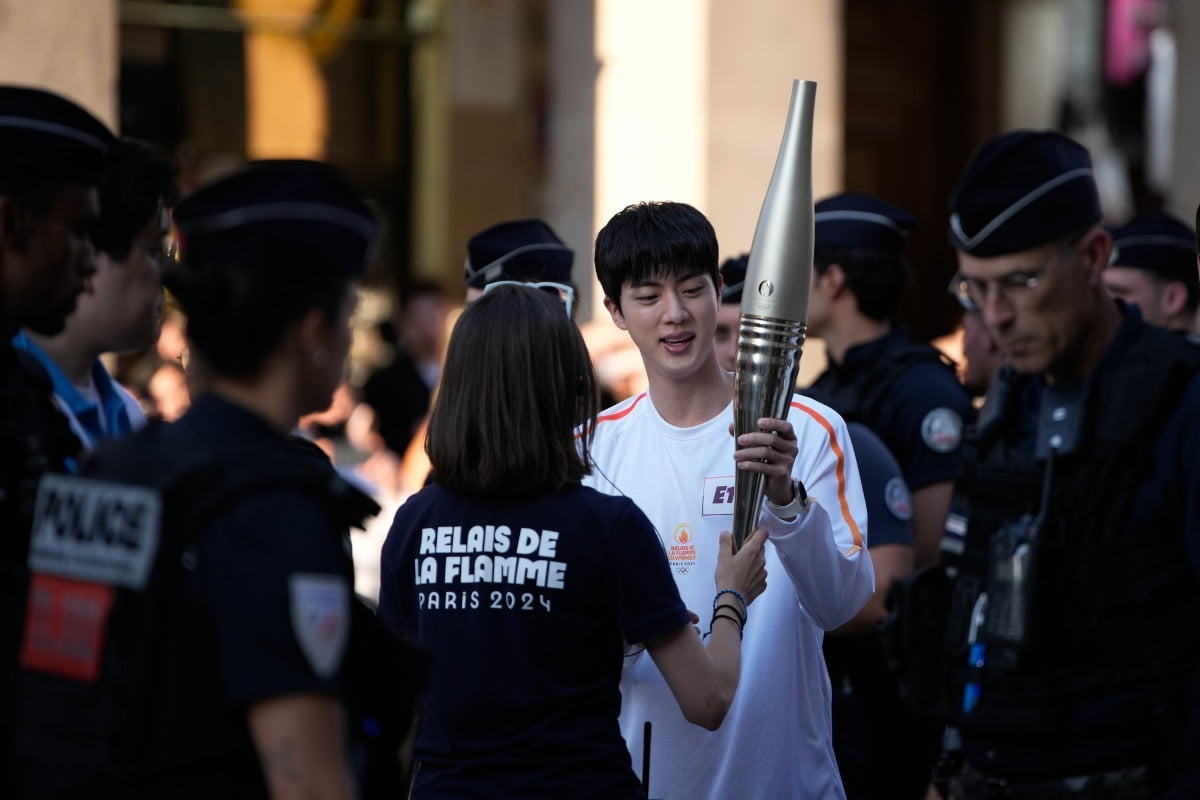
{"points": [[876, 278], [140, 178], [237, 315], [649, 240]]}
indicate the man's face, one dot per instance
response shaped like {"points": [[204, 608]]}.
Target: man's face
{"points": [[671, 319], [1036, 303], [123, 310], [725, 341], [1138, 287], [53, 259]]}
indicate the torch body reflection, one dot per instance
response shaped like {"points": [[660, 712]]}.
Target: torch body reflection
{"points": [[775, 299]]}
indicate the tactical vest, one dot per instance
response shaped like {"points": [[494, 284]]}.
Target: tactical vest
{"points": [[1112, 644], [122, 727], [858, 399]]}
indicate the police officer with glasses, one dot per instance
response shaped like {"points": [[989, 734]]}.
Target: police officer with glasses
{"points": [[1074, 538]]}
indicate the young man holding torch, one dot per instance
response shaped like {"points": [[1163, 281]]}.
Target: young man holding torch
{"points": [[669, 449]]}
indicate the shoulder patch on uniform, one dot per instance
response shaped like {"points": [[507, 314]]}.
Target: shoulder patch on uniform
{"points": [[320, 619], [897, 498], [941, 430]]}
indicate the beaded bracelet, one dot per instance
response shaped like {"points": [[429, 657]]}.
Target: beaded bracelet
{"points": [[735, 593]]}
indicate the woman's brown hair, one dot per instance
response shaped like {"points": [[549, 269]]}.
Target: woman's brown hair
{"points": [[516, 386]]}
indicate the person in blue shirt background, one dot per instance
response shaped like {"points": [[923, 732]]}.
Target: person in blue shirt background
{"points": [[122, 307]]}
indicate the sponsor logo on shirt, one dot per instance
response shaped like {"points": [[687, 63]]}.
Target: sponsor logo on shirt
{"points": [[521, 558], [682, 552], [718, 496]]}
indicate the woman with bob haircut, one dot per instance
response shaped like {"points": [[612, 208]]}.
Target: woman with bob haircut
{"points": [[526, 586]]}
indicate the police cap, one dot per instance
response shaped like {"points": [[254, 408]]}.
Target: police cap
{"points": [[1020, 190], [859, 220], [1158, 243], [733, 275], [45, 135], [519, 250], [301, 213]]}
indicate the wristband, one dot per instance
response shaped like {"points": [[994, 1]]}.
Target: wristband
{"points": [[733, 592]]}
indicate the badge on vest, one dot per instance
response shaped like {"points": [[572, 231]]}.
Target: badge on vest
{"points": [[941, 430], [106, 533], [320, 606]]}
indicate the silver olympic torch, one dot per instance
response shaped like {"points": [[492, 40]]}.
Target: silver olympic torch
{"points": [[775, 298]]}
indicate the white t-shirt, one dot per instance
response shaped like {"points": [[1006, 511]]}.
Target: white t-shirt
{"points": [[775, 741]]}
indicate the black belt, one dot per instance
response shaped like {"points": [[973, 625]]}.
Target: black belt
{"points": [[1123, 784]]}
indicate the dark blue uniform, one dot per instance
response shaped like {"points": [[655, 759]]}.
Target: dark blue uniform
{"points": [[525, 606], [910, 399], [875, 752], [34, 438], [1101, 681], [251, 602]]}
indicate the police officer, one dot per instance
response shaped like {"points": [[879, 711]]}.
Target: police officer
{"points": [[52, 154], [1154, 266], [519, 251], [906, 393], [1073, 640], [193, 593]]}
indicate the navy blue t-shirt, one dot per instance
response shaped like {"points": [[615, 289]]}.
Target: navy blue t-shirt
{"points": [[526, 607]]}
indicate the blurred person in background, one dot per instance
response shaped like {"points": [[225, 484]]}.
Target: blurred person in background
{"points": [[1153, 266], [121, 309], [169, 392], [981, 358], [397, 394]]}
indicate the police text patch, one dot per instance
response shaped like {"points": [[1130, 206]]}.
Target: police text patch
{"points": [[95, 531]]}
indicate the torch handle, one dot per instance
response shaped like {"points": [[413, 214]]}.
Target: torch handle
{"points": [[768, 361]]}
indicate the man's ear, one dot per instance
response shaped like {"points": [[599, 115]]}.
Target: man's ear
{"points": [[310, 331], [14, 223], [1096, 245], [835, 279], [617, 317], [1174, 298]]}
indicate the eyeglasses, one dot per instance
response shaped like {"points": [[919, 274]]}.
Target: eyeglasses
{"points": [[564, 292], [1015, 288]]}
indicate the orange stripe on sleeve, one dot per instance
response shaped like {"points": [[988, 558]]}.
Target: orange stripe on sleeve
{"points": [[841, 476], [618, 414]]}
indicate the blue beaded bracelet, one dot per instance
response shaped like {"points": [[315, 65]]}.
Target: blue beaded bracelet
{"points": [[735, 593]]}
